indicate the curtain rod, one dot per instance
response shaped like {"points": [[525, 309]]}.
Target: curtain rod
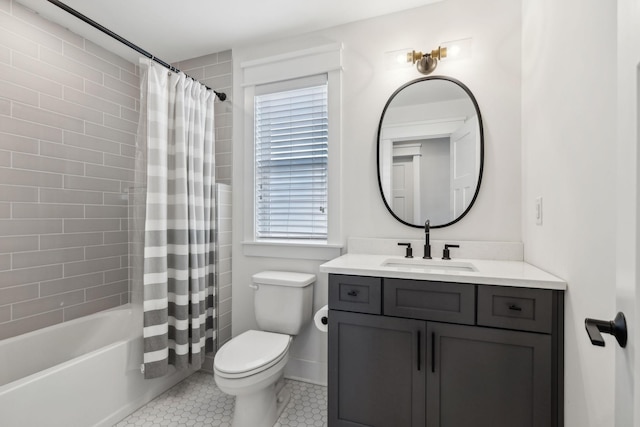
{"points": [[221, 95]]}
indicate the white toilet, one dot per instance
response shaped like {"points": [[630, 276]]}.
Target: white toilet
{"points": [[250, 365]]}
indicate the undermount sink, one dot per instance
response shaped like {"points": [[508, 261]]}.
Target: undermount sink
{"points": [[428, 265]]}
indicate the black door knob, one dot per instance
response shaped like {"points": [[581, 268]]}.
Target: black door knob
{"points": [[616, 327]]}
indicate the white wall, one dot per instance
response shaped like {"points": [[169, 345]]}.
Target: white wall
{"points": [[493, 75], [627, 393], [569, 155]]}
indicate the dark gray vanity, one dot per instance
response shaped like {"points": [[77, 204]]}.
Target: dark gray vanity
{"points": [[417, 342], [407, 352]]}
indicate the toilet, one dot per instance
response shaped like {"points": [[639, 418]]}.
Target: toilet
{"points": [[251, 365]]}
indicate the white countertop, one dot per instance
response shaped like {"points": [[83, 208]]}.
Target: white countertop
{"points": [[489, 272]]}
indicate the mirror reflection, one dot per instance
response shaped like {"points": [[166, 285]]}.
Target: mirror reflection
{"points": [[430, 152]]}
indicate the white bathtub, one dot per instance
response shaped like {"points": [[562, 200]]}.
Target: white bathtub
{"points": [[85, 372]]}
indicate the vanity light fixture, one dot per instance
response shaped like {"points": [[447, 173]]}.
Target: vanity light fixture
{"points": [[426, 63]]}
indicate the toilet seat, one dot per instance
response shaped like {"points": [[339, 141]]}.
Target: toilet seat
{"points": [[250, 352]]}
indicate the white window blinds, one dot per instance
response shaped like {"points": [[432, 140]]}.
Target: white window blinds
{"points": [[291, 153]]}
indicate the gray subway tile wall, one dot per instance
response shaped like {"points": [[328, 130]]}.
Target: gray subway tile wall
{"points": [[67, 136], [68, 119]]}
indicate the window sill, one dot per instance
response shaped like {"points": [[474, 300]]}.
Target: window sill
{"points": [[292, 250]]}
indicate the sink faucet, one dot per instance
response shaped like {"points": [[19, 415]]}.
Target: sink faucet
{"points": [[427, 244], [445, 252], [409, 251]]}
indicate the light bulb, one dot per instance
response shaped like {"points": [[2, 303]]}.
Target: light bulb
{"points": [[398, 58], [458, 49], [453, 51]]}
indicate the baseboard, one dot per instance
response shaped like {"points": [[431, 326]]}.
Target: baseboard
{"points": [[307, 371]]}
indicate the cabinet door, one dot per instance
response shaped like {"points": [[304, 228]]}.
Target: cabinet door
{"points": [[376, 371], [487, 377]]}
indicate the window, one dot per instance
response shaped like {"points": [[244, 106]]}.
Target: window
{"points": [[291, 159], [291, 166]]}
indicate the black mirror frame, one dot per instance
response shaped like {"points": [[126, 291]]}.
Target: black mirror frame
{"points": [[481, 129]]}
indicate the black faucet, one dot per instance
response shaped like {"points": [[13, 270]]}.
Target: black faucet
{"points": [[427, 244], [445, 252], [409, 251]]}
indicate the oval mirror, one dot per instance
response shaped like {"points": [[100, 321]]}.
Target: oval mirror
{"points": [[430, 152]]}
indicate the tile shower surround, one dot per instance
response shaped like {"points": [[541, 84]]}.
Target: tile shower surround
{"points": [[68, 119]]}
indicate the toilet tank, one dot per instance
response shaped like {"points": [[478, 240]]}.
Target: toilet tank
{"points": [[283, 300]]}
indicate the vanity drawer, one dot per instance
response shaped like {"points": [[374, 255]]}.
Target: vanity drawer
{"points": [[515, 308], [355, 293], [428, 300]]}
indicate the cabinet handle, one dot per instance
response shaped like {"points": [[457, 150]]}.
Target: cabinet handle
{"points": [[419, 351], [433, 352], [352, 293], [514, 307]]}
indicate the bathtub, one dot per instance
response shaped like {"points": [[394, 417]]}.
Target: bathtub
{"points": [[84, 372]]}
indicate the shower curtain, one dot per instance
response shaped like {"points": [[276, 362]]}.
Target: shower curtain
{"points": [[175, 153]]}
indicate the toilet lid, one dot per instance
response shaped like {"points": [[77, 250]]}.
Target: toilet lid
{"points": [[284, 278], [251, 351]]}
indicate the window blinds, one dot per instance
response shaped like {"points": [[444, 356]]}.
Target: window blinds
{"points": [[291, 143]]}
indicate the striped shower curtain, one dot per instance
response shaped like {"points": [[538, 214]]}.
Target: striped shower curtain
{"points": [[178, 260]]}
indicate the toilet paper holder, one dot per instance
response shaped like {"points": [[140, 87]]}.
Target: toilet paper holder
{"points": [[321, 319]]}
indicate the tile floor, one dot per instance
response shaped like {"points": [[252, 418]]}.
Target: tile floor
{"points": [[197, 401]]}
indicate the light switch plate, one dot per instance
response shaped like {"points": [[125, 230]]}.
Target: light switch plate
{"points": [[539, 211]]}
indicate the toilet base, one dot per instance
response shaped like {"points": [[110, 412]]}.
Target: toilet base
{"points": [[260, 398], [283, 395], [263, 408]]}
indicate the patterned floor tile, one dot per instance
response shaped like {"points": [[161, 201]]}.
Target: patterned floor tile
{"points": [[197, 401]]}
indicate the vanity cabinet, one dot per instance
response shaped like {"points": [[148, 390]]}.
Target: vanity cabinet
{"points": [[380, 377], [442, 354], [487, 377]]}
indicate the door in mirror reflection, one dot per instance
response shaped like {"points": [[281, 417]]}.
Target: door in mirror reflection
{"points": [[430, 152]]}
